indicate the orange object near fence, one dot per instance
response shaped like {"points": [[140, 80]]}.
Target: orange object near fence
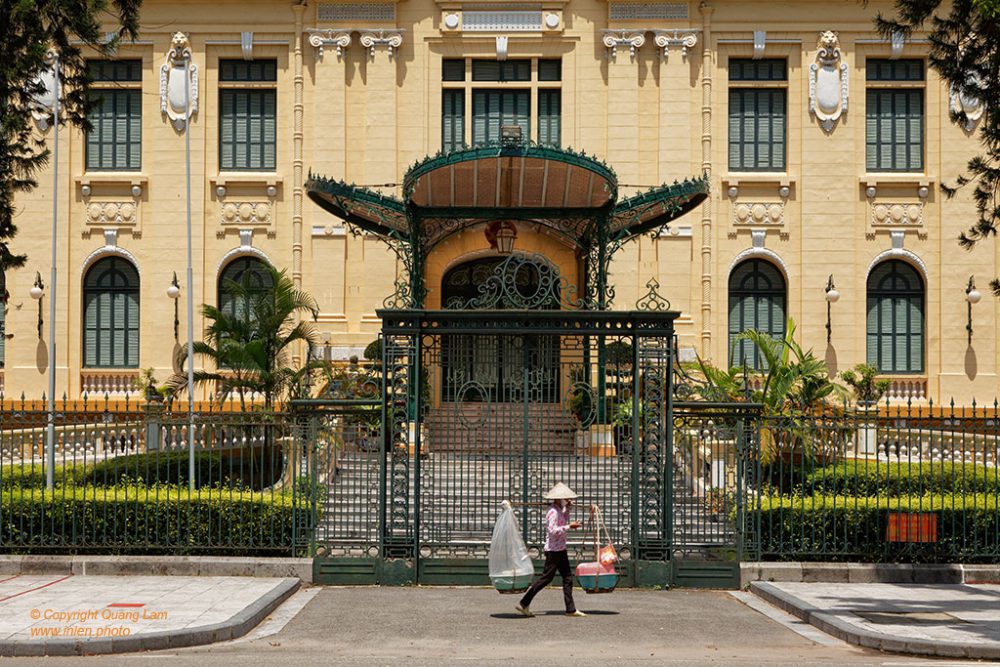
{"points": [[911, 527]]}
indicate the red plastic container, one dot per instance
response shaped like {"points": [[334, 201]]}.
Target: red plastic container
{"points": [[597, 578]]}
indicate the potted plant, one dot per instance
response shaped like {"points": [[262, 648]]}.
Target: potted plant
{"points": [[868, 390], [716, 504]]}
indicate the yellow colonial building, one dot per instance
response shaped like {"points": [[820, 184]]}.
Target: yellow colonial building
{"points": [[824, 146]]}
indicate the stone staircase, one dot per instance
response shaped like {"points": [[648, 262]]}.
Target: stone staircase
{"points": [[492, 428], [461, 493]]}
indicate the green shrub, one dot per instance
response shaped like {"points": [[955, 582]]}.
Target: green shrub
{"points": [[826, 528], [870, 479], [32, 475], [137, 520], [234, 468]]}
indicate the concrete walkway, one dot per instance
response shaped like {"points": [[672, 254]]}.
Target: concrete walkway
{"points": [[65, 614], [957, 620]]}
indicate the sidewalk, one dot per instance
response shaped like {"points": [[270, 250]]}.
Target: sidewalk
{"points": [[948, 620], [65, 614]]}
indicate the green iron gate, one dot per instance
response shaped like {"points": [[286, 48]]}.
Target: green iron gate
{"points": [[587, 398]]}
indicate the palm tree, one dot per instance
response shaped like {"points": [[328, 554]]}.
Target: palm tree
{"points": [[795, 387], [248, 346]]}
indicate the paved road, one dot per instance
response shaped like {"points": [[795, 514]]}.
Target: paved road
{"points": [[371, 627]]}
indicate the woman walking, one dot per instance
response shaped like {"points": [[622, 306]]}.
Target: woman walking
{"points": [[557, 524]]}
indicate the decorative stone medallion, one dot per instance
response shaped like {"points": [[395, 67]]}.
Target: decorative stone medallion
{"points": [[828, 82]]}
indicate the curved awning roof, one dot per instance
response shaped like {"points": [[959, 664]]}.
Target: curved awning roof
{"points": [[570, 193], [369, 210], [514, 176], [656, 207]]}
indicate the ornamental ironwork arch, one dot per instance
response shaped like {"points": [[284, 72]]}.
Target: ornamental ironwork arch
{"points": [[526, 281]]}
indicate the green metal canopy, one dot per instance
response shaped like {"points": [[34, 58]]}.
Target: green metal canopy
{"points": [[573, 195]]}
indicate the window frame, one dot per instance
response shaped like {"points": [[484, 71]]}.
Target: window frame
{"points": [[744, 87], [874, 298], [232, 265], [895, 87], [92, 292], [250, 87], [535, 85], [117, 89], [756, 295]]}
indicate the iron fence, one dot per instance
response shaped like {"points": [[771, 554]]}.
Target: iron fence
{"points": [[886, 484], [123, 484]]}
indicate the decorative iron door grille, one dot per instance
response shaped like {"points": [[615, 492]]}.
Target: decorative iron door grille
{"points": [[586, 403]]}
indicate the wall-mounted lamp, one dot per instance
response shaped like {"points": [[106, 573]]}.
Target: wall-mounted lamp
{"points": [[37, 290], [174, 292], [972, 295], [501, 235], [832, 296]]}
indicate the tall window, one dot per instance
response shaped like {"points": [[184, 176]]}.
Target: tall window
{"points": [[894, 115], [247, 115], [756, 302], [115, 142], [757, 114], [111, 315], [248, 271], [896, 318], [491, 107]]}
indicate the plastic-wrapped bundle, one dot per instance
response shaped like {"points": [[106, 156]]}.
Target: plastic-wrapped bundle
{"points": [[511, 569]]}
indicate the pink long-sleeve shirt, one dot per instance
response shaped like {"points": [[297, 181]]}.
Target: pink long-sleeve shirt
{"points": [[556, 525]]}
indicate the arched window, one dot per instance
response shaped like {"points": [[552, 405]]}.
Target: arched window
{"points": [[111, 315], [896, 318], [247, 271], [756, 301]]}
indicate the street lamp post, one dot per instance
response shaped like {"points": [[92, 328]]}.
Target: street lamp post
{"points": [[50, 431], [190, 271]]}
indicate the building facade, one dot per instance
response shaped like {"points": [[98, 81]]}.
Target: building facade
{"points": [[825, 146]]}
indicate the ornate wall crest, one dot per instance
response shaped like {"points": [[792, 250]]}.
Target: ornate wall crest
{"points": [[172, 82], [43, 103], [828, 84], [967, 104]]}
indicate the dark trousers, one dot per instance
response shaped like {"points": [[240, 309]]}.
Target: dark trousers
{"points": [[554, 561]]}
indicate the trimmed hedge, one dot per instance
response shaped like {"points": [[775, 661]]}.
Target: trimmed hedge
{"points": [[828, 528], [212, 469], [867, 478], [133, 520]]}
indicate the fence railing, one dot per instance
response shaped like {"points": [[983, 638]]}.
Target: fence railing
{"points": [[911, 484], [122, 479]]}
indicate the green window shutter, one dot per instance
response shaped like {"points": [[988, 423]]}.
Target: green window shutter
{"points": [[757, 129], [894, 130], [492, 109], [115, 142], [871, 130], [895, 324], [452, 120], [248, 130], [111, 315], [549, 117], [756, 302]]}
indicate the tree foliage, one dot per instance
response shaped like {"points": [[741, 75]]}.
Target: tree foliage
{"points": [[964, 38], [30, 29], [248, 350]]}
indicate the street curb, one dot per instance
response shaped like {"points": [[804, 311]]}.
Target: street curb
{"points": [[867, 573], [236, 626], [844, 630], [157, 566]]}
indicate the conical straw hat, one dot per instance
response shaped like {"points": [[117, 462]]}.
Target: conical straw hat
{"points": [[560, 492]]}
